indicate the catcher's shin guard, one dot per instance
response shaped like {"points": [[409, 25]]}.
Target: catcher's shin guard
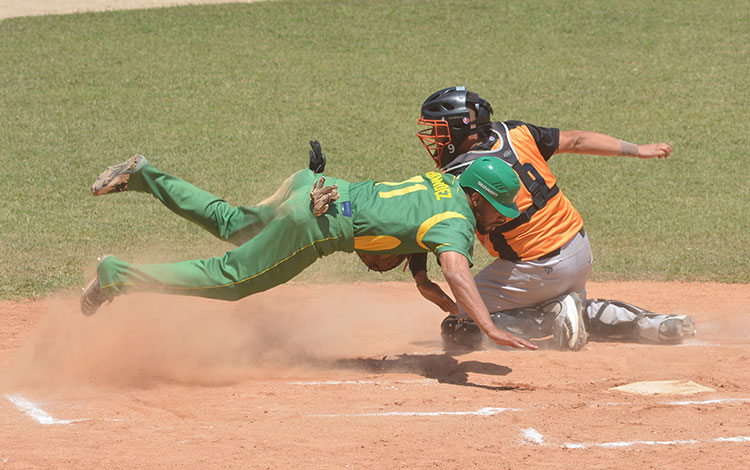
{"points": [[458, 332], [529, 322], [614, 319]]}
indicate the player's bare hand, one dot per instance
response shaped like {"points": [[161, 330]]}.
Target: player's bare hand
{"points": [[503, 338], [654, 151], [321, 196], [437, 296]]}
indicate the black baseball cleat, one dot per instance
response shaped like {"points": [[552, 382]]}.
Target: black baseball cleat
{"points": [[460, 333], [115, 178]]}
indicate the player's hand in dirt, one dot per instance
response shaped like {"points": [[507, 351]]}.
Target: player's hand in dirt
{"points": [[654, 150], [321, 196], [503, 338], [437, 296]]}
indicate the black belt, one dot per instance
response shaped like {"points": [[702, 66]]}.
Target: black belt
{"points": [[556, 252]]}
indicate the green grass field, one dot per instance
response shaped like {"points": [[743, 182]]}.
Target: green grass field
{"points": [[228, 96]]}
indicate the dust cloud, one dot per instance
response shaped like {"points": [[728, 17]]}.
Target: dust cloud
{"points": [[145, 339]]}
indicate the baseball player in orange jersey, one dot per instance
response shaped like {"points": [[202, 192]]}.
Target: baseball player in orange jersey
{"points": [[537, 284]]}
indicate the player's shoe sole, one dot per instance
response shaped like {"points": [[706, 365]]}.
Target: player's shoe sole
{"points": [[115, 178], [570, 329], [92, 296]]}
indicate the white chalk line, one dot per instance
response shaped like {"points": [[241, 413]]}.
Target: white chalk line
{"points": [[363, 382], [698, 344], [488, 411], [531, 436], [37, 413], [715, 401], [41, 416], [709, 402]]}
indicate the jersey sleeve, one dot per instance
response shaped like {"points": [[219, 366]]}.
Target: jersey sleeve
{"points": [[547, 138], [455, 234]]}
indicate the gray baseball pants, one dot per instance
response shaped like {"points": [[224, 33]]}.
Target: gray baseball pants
{"points": [[508, 285]]}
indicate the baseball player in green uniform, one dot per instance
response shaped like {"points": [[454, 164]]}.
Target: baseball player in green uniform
{"points": [[309, 217]]}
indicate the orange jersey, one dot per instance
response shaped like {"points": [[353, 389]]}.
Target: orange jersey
{"points": [[554, 220]]}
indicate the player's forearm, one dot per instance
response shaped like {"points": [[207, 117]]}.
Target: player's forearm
{"points": [[418, 265], [421, 278], [467, 296], [457, 274], [594, 143]]}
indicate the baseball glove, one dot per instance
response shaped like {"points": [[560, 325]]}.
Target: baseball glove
{"points": [[381, 263]]}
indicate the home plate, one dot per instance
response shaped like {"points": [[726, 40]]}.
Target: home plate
{"points": [[663, 387]]}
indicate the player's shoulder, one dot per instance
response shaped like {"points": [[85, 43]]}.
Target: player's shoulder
{"points": [[533, 128], [546, 138], [512, 124]]}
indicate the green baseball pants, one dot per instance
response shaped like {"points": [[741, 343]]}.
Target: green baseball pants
{"points": [[276, 239]]}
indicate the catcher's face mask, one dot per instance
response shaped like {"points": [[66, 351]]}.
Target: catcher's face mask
{"points": [[452, 115], [435, 137]]}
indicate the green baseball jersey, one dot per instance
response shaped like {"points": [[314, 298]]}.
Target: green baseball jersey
{"points": [[429, 212]]}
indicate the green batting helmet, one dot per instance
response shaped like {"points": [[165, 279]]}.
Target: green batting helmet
{"points": [[496, 181]]}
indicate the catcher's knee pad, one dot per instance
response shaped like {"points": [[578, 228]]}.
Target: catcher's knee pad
{"points": [[530, 322], [460, 333]]}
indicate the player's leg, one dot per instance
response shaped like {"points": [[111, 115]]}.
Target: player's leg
{"points": [[227, 222], [507, 285], [260, 264], [614, 319], [255, 266], [285, 247], [536, 298]]}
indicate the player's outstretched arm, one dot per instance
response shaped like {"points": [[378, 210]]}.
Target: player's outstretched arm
{"points": [[457, 274], [434, 293], [428, 289], [594, 143]]}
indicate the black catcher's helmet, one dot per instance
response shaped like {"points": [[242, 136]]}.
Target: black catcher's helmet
{"points": [[446, 113]]}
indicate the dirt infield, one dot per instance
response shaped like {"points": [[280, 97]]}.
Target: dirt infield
{"points": [[354, 376]]}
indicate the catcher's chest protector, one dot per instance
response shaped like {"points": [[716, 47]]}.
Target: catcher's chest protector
{"points": [[539, 187], [527, 173]]}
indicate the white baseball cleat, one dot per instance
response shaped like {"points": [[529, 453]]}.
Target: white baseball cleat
{"points": [[92, 296], [569, 328]]}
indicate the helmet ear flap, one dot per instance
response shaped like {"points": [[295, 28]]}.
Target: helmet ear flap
{"points": [[483, 115]]}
